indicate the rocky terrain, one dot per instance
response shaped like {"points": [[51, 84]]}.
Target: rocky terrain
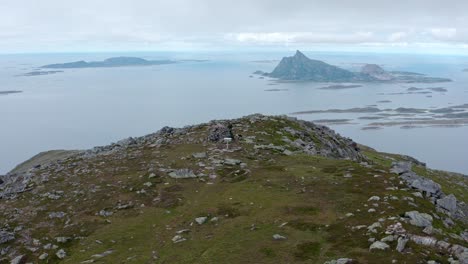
{"points": [[300, 68], [282, 191]]}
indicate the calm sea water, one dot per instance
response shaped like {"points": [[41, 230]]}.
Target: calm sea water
{"points": [[81, 108]]}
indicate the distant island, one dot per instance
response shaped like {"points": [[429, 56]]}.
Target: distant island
{"points": [[465, 70], [111, 62], [9, 92], [39, 73], [300, 68]]}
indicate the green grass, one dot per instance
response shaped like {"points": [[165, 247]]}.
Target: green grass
{"points": [[304, 198]]}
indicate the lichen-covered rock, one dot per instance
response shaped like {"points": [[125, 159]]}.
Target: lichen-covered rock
{"points": [[448, 203], [419, 219]]}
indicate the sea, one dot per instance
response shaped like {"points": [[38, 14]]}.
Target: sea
{"points": [[82, 108]]}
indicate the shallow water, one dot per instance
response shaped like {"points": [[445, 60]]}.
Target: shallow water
{"points": [[81, 108]]}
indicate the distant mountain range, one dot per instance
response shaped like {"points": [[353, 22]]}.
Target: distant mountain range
{"points": [[300, 68], [111, 62]]}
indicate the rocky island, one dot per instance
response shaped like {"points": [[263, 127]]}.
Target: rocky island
{"points": [[111, 62], [9, 92], [283, 191], [300, 68]]}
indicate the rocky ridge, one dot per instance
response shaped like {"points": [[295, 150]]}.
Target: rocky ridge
{"points": [[290, 190]]}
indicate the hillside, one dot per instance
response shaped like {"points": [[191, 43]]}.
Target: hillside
{"points": [[284, 191]]}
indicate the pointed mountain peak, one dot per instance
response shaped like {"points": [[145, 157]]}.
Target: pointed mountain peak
{"points": [[299, 54]]}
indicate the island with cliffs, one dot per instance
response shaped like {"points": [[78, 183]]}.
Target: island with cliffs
{"points": [[301, 68]]}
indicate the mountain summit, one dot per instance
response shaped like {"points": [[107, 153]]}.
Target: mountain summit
{"points": [[283, 191], [300, 67]]}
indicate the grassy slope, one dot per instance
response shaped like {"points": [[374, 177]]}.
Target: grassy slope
{"points": [[308, 193]]}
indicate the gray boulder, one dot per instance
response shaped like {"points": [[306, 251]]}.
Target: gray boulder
{"points": [[201, 220], [400, 167], [379, 245], [430, 187], [401, 244], [18, 260], [448, 203], [419, 219]]}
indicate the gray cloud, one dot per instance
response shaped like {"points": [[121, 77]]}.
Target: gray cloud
{"points": [[30, 25]]}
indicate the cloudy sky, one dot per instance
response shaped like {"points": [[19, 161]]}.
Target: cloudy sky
{"points": [[118, 25]]}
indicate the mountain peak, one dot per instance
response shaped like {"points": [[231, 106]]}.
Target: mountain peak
{"points": [[300, 67], [299, 54]]}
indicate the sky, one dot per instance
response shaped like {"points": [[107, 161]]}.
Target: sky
{"points": [[432, 26]]}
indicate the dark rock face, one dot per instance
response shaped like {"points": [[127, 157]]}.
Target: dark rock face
{"points": [[299, 67], [219, 132]]}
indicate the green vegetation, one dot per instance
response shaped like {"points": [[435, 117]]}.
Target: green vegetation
{"points": [[304, 198]]}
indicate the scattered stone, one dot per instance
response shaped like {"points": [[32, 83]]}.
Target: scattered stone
{"points": [[61, 254], [178, 239], [401, 244], [56, 215], [201, 220], [6, 236], [199, 155], [43, 256], [105, 213], [278, 237], [379, 245], [340, 261], [395, 229], [232, 162], [62, 239], [103, 254], [182, 174], [183, 231], [18, 260], [374, 198]]}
